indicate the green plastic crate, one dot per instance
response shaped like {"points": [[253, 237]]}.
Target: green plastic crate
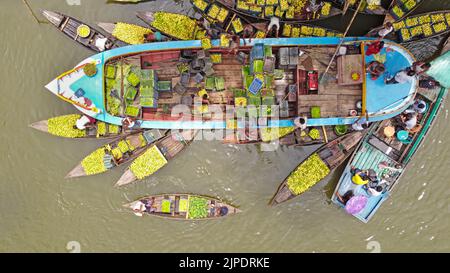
{"points": [[268, 81], [267, 51], [268, 100], [210, 83], [164, 85], [220, 83], [258, 66], [133, 79], [248, 81], [315, 112], [147, 102], [110, 72], [131, 93], [147, 91], [239, 93], [132, 111]]}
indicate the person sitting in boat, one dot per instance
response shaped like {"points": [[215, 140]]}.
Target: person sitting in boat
{"points": [[420, 67], [248, 33], [212, 32], [154, 37], [103, 44], [429, 83], [313, 8], [386, 30], [274, 23], [375, 69], [374, 47], [409, 120], [84, 122], [360, 124], [402, 76], [419, 106], [346, 197], [129, 123], [223, 211], [359, 177], [138, 208]]}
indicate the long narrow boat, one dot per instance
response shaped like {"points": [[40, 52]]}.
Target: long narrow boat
{"points": [[182, 207], [284, 9], [418, 27], [231, 21], [64, 126], [72, 28], [316, 167], [365, 9], [288, 136], [387, 156], [116, 153], [128, 33], [150, 81], [157, 156]]}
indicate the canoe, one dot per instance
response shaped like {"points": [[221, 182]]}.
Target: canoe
{"points": [[297, 83], [182, 207], [379, 10], [128, 33], [288, 136], [174, 25], [63, 126], [69, 26], [388, 157], [233, 22], [418, 27], [316, 167], [263, 10], [157, 156], [116, 153]]}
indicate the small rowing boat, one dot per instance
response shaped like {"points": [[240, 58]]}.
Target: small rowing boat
{"points": [[182, 207], [82, 33], [316, 167], [387, 155], [157, 156], [64, 126], [418, 27], [230, 21], [299, 11], [116, 153]]}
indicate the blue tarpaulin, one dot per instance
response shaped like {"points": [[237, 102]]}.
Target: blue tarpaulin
{"points": [[440, 69]]}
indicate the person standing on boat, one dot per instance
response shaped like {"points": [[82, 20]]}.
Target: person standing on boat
{"points": [[409, 120], [374, 48], [386, 30], [419, 107], [274, 23], [130, 123], [402, 76], [84, 122], [360, 125], [103, 44]]}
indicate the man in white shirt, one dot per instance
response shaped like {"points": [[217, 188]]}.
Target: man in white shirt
{"points": [[388, 28], [274, 22], [410, 121], [403, 76], [83, 122]]}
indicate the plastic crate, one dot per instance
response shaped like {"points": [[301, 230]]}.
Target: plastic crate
{"points": [[255, 86], [268, 51], [220, 83], [315, 112], [210, 83], [257, 52], [164, 86]]}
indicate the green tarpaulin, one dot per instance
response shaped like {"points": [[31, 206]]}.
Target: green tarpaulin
{"points": [[440, 69]]}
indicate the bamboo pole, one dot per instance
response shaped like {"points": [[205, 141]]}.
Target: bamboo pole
{"points": [[32, 13], [342, 40]]}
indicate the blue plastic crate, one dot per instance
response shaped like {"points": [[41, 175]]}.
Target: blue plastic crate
{"points": [[257, 52], [255, 86]]}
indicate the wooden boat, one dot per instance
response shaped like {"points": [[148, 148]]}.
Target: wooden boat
{"points": [[418, 27], [63, 126], [69, 26], [263, 10], [388, 157], [233, 22], [116, 153], [128, 33], [317, 166], [365, 9], [446, 46], [182, 207], [297, 84], [157, 156], [290, 136]]}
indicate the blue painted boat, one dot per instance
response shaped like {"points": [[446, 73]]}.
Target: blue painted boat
{"points": [[143, 81], [388, 157]]}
